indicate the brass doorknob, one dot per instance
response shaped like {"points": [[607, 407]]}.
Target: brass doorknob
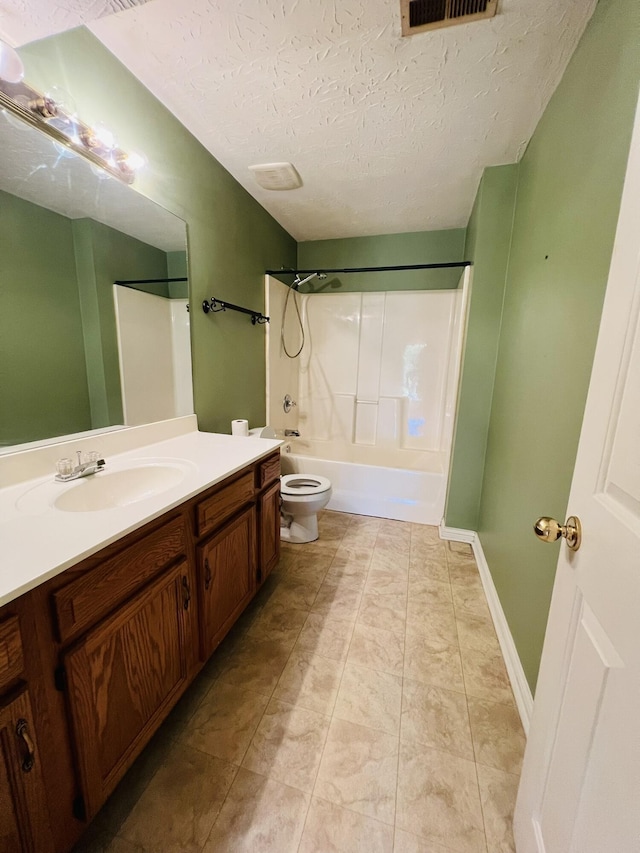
{"points": [[549, 530]]}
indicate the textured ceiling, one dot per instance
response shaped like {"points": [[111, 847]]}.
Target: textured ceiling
{"points": [[22, 21], [389, 134]]}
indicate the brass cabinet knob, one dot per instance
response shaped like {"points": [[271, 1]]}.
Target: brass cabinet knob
{"points": [[549, 530]]}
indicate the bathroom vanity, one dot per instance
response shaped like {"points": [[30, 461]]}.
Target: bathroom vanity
{"points": [[96, 649]]}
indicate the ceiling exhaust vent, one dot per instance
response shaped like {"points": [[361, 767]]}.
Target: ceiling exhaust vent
{"points": [[421, 15], [277, 176]]}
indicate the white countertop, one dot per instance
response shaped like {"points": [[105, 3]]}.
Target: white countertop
{"points": [[38, 541]]}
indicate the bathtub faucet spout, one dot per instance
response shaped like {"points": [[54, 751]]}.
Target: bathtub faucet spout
{"points": [[290, 433]]}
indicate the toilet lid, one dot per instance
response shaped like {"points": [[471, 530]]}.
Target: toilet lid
{"points": [[304, 484]]}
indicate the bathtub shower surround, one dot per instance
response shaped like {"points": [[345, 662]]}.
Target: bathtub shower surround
{"points": [[154, 355], [376, 386]]}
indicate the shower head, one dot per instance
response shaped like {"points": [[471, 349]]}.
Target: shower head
{"points": [[297, 284]]}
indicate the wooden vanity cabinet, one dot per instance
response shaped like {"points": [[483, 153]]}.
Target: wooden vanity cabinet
{"points": [[122, 679], [240, 549], [111, 645], [227, 569], [268, 484], [24, 816], [269, 525]]}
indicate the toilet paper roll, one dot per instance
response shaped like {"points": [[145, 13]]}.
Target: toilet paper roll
{"points": [[240, 426]]}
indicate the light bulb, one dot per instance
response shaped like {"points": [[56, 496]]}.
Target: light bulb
{"points": [[11, 66], [135, 161], [104, 137], [98, 138]]}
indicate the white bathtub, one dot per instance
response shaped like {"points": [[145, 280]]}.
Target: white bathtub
{"points": [[404, 485]]}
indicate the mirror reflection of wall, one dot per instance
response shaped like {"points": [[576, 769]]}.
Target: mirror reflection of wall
{"points": [[59, 358]]}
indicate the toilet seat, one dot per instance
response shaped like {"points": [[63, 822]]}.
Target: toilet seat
{"points": [[304, 484]]}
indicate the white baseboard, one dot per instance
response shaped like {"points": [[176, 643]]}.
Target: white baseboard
{"points": [[457, 534], [519, 683]]}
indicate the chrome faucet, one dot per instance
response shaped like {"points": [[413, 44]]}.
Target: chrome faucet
{"points": [[91, 465], [291, 433]]}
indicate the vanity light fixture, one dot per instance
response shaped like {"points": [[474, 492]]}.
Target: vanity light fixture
{"points": [[97, 144]]}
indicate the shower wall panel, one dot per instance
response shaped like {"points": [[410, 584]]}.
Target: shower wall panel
{"points": [[145, 346], [181, 343], [376, 370], [419, 330], [329, 366]]}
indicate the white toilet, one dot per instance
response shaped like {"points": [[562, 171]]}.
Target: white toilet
{"points": [[303, 496]]}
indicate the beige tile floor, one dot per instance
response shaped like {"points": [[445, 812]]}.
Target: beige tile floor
{"points": [[360, 704]]}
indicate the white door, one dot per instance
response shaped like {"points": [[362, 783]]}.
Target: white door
{"points": [[580, 787]]}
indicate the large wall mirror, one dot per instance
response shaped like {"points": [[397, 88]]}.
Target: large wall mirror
{"points": [[76, 352]]}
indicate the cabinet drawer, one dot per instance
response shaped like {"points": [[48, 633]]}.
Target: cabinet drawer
{"points": [[87, 599], [224, 503], [268, 471], [11, 661]]}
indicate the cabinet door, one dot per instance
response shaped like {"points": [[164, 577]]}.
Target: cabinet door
{"points": [[123, 678], [24, 819], [227, 565], [269, 530]]}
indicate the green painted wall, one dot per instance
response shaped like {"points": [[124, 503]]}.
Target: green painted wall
{"points": [[43, 379], [177, 268], [231, 238], [487, 245], [422, 247], [569, 189], [58, 341]]}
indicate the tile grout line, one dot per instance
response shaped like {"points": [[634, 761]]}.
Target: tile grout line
{"points": [[226, 796], [402, 697], [353, 627], [331, 717], [404, 679], [239, 766], [326, 736], [262, 716], [473, 744]]}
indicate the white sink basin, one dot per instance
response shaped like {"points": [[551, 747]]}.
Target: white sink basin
{"points": [[140, 480], [118, 488]]}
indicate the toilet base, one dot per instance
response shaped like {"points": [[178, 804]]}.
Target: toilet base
{"points": [[301, 530]]}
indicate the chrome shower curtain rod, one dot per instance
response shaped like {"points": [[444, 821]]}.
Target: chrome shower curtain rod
{"points": [[374, 269]]}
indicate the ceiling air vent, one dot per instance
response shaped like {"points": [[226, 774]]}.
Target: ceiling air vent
{"points": [[421, 15], [276, 176]]}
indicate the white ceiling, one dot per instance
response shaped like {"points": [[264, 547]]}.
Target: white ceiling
{"points": [[389, 134], [22, 21]]}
